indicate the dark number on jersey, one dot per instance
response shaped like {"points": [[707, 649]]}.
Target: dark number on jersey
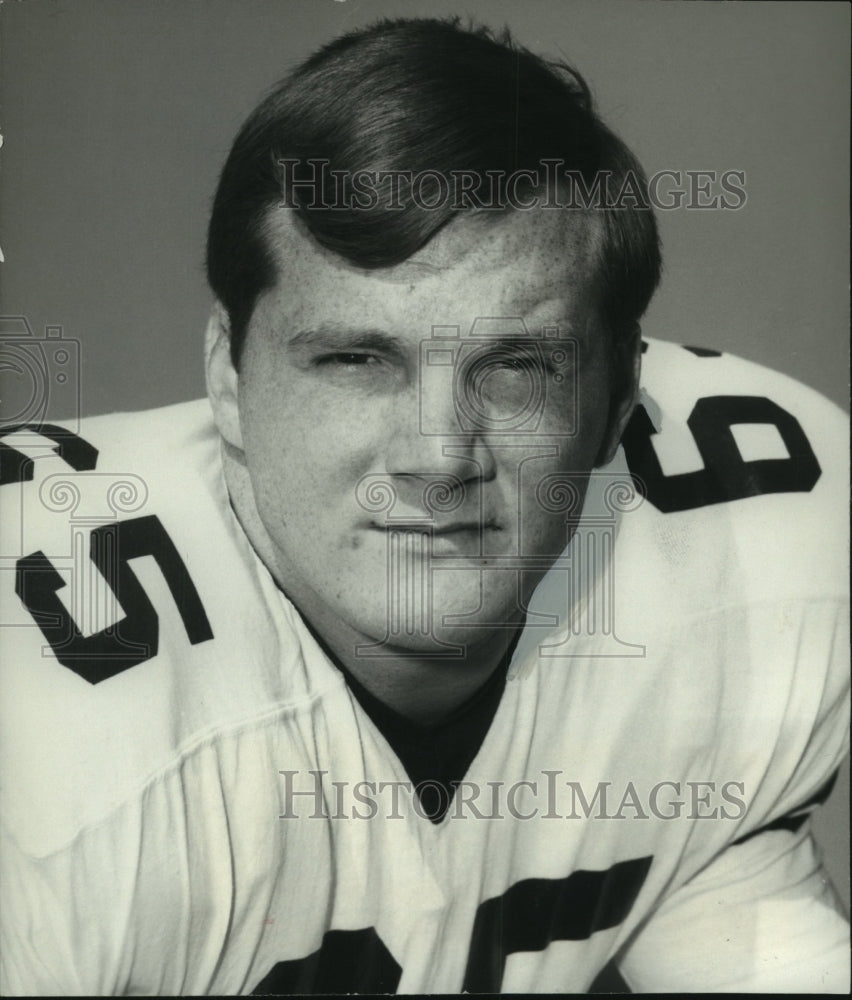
{"points": [[726, 475], [133, 639], [527, 917], [16, 467]]}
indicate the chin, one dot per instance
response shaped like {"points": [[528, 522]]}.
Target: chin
{"points": [[463, 609], [446, 645]]}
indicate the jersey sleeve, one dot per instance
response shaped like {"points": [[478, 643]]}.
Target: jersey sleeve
{"points": [[759, 914], [762, 915], [55, 938], [761, 918], [88, 713], [109, 913], [37, 955]]}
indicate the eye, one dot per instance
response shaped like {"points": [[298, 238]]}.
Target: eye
{"points": [[347, 359], [519, 363], [516, 358]]}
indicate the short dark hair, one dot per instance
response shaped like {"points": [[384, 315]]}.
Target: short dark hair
{"points": [[417, 95]]}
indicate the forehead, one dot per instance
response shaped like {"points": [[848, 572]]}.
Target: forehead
{"points": [[539, 264]]}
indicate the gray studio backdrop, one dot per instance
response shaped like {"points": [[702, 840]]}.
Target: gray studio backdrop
{"points": [[117, 116]]}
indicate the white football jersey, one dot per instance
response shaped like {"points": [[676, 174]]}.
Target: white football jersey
{"points": [[194, 801]]}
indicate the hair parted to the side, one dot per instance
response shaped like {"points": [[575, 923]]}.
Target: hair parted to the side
{"points": [[412, 96]]}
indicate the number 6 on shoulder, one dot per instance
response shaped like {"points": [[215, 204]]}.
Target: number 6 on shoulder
{"points": [[726, 474]]}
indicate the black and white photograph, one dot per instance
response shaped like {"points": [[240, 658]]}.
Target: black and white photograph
{"points": [[424, 523]]}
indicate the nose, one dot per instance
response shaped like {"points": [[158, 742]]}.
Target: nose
{"points": [[425, 441]]}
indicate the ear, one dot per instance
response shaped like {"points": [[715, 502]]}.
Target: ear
{"points": [[222, 377], [626, 369]]}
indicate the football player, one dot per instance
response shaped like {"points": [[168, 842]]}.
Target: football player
{"points": [[439, 650]]}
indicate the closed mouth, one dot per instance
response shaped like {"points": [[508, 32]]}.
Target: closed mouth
{"points": [[456, 528]]}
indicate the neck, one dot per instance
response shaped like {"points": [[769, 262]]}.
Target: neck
{"points": [[423, 689]]}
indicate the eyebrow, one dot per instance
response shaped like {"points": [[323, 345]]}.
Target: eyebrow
{"points": [[333, 336], [412, 270]]}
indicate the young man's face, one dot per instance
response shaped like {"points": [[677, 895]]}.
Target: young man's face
{"points": [[391, 474]]}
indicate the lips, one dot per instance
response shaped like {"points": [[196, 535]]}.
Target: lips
{"points": [[454, 528], [474, 526], [469, 539]]}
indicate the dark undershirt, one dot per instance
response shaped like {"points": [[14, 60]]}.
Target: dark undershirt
{"points": [[437, 755]]}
